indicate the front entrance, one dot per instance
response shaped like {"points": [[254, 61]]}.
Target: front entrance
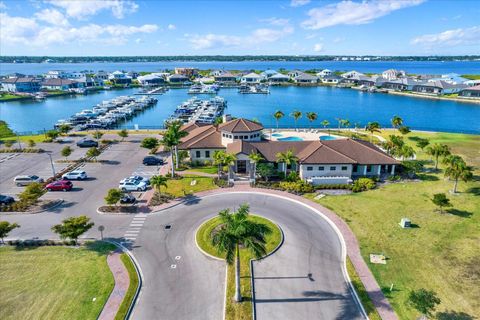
{"points": [[241, 166]]}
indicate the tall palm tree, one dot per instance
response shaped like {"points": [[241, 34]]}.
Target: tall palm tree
{"points": [[158, 182], [345, 123], [218, 159], [296, 115], [287, 158], [169, 140], [255, 158], [396, 122], [229, 159], [325, 123], [278, 115], [311, 116], [406, 152], [237, 230], [438, 150], [175, 129], [457, 169], [373, 127]]}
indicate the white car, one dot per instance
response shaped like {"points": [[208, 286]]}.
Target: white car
{"points": [[75, 175], [132, 185], [136, 178]]}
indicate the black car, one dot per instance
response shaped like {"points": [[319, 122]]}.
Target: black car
{"points": [[6, 199], [152, 161], [128, 198], [87, 143]]}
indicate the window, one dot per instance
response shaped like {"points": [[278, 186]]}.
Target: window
{"points": [[245, 137], [235, 137], [369, 168], [321, 168], [197, 154], [355, 168], [309, 168], [344, 168], [207, 154], [333, 168]]}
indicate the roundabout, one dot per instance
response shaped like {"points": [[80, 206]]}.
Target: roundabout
{"points": [[304, 279]]}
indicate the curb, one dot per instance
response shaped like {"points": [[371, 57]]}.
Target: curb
{"points": [[56, 205]]}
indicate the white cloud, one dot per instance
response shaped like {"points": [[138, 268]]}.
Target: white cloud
{"points": [[281, 22], [172, 27], [460, 36], [138, 40], [353, 13], [82, 9], [318, 47], [30, 32], [258, 36], [3, 6], [52, 16], [299, 3]]}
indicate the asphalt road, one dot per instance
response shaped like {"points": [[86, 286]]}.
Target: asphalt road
{"points": [[302, 280]]}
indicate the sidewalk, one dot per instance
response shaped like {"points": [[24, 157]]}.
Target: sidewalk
{"points": [[380, 302]]}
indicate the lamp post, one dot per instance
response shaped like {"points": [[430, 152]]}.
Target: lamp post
{"points": [[51, 163]]}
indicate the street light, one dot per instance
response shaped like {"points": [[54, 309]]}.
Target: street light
{"points": [[51, 163]]}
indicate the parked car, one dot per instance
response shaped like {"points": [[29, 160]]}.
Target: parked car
{"points": [[75, 175], [22, 181], [128, 198], [59, 185], [152, 161], [6, 199], [132, 185], [137, 178], [87, 143]]}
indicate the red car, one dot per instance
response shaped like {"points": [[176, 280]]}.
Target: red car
{"points": [[60, 185]]}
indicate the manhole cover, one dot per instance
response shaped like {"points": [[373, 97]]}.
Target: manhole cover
{"points": [[168, 227], [173, 266], [178, 257]]}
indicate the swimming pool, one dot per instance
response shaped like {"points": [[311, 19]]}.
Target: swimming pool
{"points": [[327, 138], [290, 139], [277, 135]]}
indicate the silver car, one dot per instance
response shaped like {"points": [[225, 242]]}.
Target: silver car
{"points": [[22, 181]]}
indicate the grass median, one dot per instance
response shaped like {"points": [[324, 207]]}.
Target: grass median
{"points": [[132, 288], [241, 310]]}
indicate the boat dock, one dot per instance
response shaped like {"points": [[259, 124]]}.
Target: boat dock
{"points": [[201, 111]]}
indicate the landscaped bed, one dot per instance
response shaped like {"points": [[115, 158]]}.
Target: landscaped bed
{"points": [[441, 251], [41, 282], [234, 310]]}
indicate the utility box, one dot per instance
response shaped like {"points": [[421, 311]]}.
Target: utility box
{"points": [[405, 223]]}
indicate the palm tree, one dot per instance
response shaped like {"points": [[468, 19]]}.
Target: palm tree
{"points": [[170, 141], [158, 182], [278, 115], [237, 230], [457, 169], [396, 122], [438, 150], [255, 158], [311, 116], [325, 123], [229, 160], [372, 127], [296, 115], [345, 123], [218, 159], [287, 158], [175, 130], [406, 152]]}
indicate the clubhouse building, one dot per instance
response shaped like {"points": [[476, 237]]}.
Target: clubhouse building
{"points": [[319, 162]]}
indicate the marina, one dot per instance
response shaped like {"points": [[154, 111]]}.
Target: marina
{"points": [[203, 89], [197, 110], [254, 89]]}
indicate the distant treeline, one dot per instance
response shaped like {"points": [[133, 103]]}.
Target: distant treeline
{"points": [[38, 59]]}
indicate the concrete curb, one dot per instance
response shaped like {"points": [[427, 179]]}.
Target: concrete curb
{"points": [[56, 205]]}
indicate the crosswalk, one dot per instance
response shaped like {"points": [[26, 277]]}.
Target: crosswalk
{"points": [[134, 228]]}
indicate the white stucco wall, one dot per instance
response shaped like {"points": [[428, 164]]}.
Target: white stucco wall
{"points": [[193, 154], [327, 172]]}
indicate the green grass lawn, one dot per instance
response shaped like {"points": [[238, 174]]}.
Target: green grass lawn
{"points": [[54, 282], [441, 252], [182, 187], [9, 96], [206, 169], [243, 310], [132, 288]]}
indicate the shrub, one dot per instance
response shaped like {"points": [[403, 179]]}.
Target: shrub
{"points": [[363, 184], [32, 192], [9, 143], [31, 143], [48, 140], [394, 178], [160, 198], [222, 183], [296, 187], [292, 176]]}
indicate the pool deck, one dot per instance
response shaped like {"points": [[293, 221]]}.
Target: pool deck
{"points": [[305, 134]]}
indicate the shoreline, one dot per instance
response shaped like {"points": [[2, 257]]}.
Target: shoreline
{"points": [[431, 97]]}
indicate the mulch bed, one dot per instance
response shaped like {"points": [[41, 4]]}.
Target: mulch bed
{"points": [[118, 209]]}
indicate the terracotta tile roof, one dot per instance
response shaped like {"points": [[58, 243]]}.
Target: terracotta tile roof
{"points": [[202, 137], [317, 152], [240, 125], [361, 151], [188, 127]]}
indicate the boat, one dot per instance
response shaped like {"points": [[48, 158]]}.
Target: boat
{"points": [[254, 89], [197, 110]]}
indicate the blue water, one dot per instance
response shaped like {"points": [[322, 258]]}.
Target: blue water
{"points": [[417, 67], [290, 139], [330, 103], [277, 135], [327, 138]]}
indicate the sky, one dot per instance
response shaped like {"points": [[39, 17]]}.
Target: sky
{"points": [[262, 27]]}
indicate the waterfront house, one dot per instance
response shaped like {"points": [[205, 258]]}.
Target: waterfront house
{"points": [[305, 78], [187, 72], [470, 92], [294, 73], [438, 87], [18, 84], [133, 74], [119, 77], [320, 162], [225, 78], [351, 74], [217, 73], [102, 75], [324, 73], [278, 78], [452, 78], [400, 84], [60, 84], [178, 78], [251, 77], [392, 74], [151, 79], [88, 81], [268, 73], [331, 79]]}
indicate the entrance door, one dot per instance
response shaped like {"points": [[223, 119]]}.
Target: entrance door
{"points": [[241, 166]]}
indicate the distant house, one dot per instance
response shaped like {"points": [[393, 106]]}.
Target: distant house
{"points": [[452, 78], [251, 78], [119, 77], [438, 87], [471, 92], [225, 78], [268, 73], [351, 74], [279, 78], [392, 74], [324, 73], [89, 81], [331, 79], [133, 74], [294, 73], [400, 84], [217, 73], [102, 75], [60, 74], [178, 78], [305, 78], [151, 79], [60, 84], [187, 72], [17, 84]]}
